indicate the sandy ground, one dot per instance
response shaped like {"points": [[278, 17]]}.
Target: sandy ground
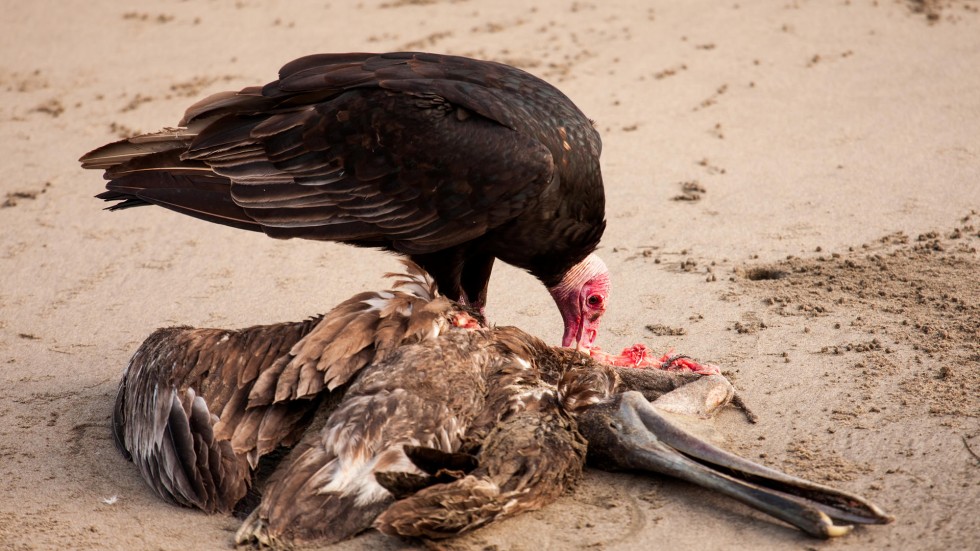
{"points": [[793, 193]]}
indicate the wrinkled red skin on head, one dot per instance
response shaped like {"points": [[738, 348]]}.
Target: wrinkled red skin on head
{"points": [[582, 312], [582, 309]]}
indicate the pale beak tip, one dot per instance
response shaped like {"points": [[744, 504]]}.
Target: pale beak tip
{"points": [[834, 530]]}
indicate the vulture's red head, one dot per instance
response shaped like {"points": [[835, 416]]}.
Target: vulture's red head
{"points": [[581, 297]]}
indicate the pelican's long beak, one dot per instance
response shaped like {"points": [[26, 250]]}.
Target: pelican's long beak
{"points": [[627, 432]]}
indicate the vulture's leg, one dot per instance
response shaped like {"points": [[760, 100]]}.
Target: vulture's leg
{"points": [[461, 275], [628, 433], [475, 280], [446, 268]]}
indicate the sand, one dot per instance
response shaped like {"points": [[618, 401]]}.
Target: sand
{"points": [[793, 192]]}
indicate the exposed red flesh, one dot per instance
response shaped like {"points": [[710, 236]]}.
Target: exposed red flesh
{"points": [[466, 321], [639, 356]]}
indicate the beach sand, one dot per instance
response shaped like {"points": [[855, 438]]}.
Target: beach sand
{"points": [[793, 193]]}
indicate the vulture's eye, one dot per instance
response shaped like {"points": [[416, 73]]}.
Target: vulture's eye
{"points": [[594, 301]]}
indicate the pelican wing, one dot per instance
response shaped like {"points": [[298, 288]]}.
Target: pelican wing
{"points": [[360, 331], [180, 411]]}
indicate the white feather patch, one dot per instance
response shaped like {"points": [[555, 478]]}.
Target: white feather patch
{"points": [[354, 475], [379, 302]]}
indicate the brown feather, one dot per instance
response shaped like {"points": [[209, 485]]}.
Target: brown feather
{"points": [[478, 422], [180, 410], [326, 492], [529, 449]]}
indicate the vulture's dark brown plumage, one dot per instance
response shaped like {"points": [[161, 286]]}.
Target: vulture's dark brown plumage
{"points": [[435, 424], [452, 161]]}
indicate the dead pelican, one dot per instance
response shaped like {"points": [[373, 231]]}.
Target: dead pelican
{"points": [[197, 409], [446, 425]]}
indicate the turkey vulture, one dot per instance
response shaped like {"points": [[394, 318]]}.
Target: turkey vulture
{"points": [[431, 424], [454, 162]]}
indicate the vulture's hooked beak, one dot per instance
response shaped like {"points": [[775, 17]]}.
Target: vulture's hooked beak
{"points": [[628, 433], [586, 340]]}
